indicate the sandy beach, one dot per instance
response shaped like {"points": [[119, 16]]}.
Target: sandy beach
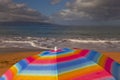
{"points": [[10, 57]]}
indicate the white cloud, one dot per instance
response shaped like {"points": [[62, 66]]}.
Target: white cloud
{"points": [[67, 14], [85, 3]]}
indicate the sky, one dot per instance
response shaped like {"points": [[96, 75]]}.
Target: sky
{"points": [[61, 11], [46, 7]]}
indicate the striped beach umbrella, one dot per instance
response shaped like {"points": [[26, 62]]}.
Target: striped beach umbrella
{"points": [[65, 64]]}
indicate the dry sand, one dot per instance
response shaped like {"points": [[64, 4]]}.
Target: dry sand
{"points": [[8, 59], [114, 55]]}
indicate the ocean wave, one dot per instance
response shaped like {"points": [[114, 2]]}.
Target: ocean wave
{"points": [[25, 43], [50, 43], [94, 41]]}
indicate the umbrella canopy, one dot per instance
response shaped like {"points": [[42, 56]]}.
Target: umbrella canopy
{"points": [[65, 64]]}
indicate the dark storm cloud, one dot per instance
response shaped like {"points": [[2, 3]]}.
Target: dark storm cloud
{"points": [[90, 10], [104, 10], [10, 11]]}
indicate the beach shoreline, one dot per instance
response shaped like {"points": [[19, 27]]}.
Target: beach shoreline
{"points": [[37, 43], [15, 50]]}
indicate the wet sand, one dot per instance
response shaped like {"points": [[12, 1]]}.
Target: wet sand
{"points": [[10, 57]]}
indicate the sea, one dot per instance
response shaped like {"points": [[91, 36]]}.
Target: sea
{"points": [[47, 36]]}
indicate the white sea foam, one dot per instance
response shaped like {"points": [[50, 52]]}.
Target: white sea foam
{"points": [[25, 42], [49, 43], [94, 41]]}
